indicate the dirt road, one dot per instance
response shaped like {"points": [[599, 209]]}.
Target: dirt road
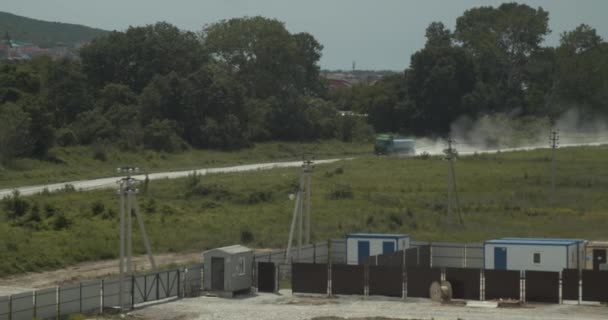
{"points": [[106, 183]]}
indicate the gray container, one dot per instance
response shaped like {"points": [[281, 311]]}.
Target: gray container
{"points": [[227, 270]]}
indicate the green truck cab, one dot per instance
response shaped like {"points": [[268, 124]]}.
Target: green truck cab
{"points": [[387, 144]]}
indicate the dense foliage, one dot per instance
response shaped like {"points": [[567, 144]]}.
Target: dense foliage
{"points": [[247, 80], [44, 33], [157, 87], [493, 62]]}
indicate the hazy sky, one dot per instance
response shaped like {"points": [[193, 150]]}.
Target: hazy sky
{"points": [[377, 34]]}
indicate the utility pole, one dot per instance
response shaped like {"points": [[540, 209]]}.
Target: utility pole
{"points": [[554, 140], [127, 192], [301, 211], [450, 155]]}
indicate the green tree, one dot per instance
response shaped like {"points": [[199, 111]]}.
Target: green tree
{"points": [[266, 58], [66, 93], [15, 138], [438, 82], [134, 57], [501, 40], [437, 35], [582, 71]]}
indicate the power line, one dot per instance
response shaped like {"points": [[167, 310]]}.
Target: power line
{"points": [[301, 211], [450, 155], [128, 205], [554, 142]]}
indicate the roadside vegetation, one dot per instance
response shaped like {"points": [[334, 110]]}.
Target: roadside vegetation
{"points": [[504, 194], [83, 162]]}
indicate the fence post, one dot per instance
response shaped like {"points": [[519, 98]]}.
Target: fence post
{"points": [[522, 286], [10, 307], [269, 256], [58, 303], [403, 275], [561, 299], [314, 253], [179, 283], [430, 254], [157, 276], [482, 284], [464, 260], [35, 296], [132, 292], [80, 296], [101, 303], [329, 258]]}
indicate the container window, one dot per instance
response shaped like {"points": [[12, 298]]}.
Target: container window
{"points": [[537, 258], [240, 267]]}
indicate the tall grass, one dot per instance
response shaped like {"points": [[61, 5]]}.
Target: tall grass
{"points": [[505, 194], [82, 162]]}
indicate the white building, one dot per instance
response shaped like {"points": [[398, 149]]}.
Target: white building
{"points": [[362, 245], [534, 254]]}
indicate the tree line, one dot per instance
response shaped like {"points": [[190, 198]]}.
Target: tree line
{"points": [[236, 82], [493, 62], [246, 80]]}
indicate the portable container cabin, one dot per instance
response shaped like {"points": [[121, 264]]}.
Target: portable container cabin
{"points": [[227, 270], [534, 254], [362, 245], [596, 253]]}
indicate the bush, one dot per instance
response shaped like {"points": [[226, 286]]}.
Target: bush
{"points": [[161, 136], [61, 222], [66, 137], [97, 208], [99, 151], [15, 206], [341, 192], [246, 237]]}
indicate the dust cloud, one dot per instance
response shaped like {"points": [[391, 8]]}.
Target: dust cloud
{"points": [[501, 132]]}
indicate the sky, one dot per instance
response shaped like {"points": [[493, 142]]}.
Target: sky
{"points": [[375, 34]]}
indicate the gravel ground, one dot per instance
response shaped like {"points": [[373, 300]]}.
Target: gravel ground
{"points": [[286, 306]]}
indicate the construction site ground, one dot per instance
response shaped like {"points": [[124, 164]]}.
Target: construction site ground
{"points": [[284, 305]]}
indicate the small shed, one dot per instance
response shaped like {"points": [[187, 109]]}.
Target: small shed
{"points": [[534, 254], [362, 245], [227, 270], [596, 255]]}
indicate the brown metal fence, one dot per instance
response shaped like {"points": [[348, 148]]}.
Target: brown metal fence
{"points": [[385, 281], [502, 284], [309, 278], [419, 281], [266, 278], [595, 284], [466, 283], [542, 286], [347, 279], [570, 284]]}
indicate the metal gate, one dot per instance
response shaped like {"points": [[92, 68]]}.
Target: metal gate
{"points": [[155, 286], [266, 277]]}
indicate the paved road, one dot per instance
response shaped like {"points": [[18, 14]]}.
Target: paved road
{"points": [[106, 183]]}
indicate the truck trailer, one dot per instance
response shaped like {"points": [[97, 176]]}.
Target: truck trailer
{"points": [[387, 144]]}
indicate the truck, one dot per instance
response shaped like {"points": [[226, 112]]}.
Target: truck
{"points": [[387, 144]]}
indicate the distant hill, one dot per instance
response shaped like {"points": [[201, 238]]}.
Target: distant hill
{"points": [[44, 33]]}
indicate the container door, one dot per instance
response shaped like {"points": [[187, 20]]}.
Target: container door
{"points": [[217, 274], [599, 257], [388, 247], [500, 258], [362, 251]]}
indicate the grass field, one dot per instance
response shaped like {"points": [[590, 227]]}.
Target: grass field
{"points": [[72, 163], [504, 194]]}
